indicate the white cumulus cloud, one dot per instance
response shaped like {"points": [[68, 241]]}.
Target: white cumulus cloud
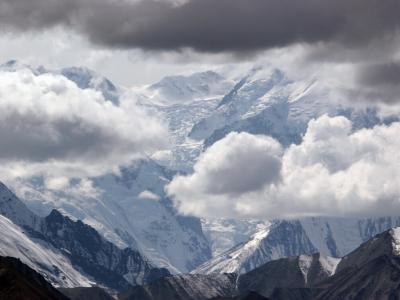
{"points": [[334, 171], [234, 166], [49, 126]]}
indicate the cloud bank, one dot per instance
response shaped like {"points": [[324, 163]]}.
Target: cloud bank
{"points": [[208, 25], [49, 126], [334, 171]]}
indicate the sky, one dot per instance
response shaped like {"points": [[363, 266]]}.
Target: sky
{"points": [[57, 48], [120, 37], [49, 126]]}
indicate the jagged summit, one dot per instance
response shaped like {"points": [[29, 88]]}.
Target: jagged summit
{"points": [[184, 89], [386, 243], [370, 272], [281, 239]]}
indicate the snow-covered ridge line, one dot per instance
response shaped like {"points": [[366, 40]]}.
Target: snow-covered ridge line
{"points": [[334, 237], [69, 253], [83, 77], [40, 256]]}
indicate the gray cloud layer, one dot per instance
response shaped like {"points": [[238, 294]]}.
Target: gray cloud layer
{"points": [[355, 31], [378, 82], [381, 74], [209, 25]]}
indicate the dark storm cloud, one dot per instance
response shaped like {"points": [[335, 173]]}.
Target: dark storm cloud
{"points": [[379, 82], [37, 14], [355, 31], [381, 74], [211, 25]]}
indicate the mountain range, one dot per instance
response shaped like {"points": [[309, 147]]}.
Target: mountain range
{"points": [[369, 272], [131, 235]]}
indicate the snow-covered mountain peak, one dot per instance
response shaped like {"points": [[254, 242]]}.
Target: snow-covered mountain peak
{"points": [[85, 78], [184, 89], [280, 239], [251, 88]]}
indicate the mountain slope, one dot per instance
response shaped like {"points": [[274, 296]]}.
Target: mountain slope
{"points": [[40, 256], [331, 236], [19, 282], [339, 236], [282, 239], [102, 260], [372, 271], [184, 287], [294, 272], [15, 210], [224, 234], [131, 209], [58, 247]]}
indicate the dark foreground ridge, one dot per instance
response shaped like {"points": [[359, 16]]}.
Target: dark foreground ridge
{"points": [[20, 282], [372, 271], [86, 293]]}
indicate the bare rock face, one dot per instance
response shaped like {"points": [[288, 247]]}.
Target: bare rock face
{"points": [[372, 271], [293, 272]]}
